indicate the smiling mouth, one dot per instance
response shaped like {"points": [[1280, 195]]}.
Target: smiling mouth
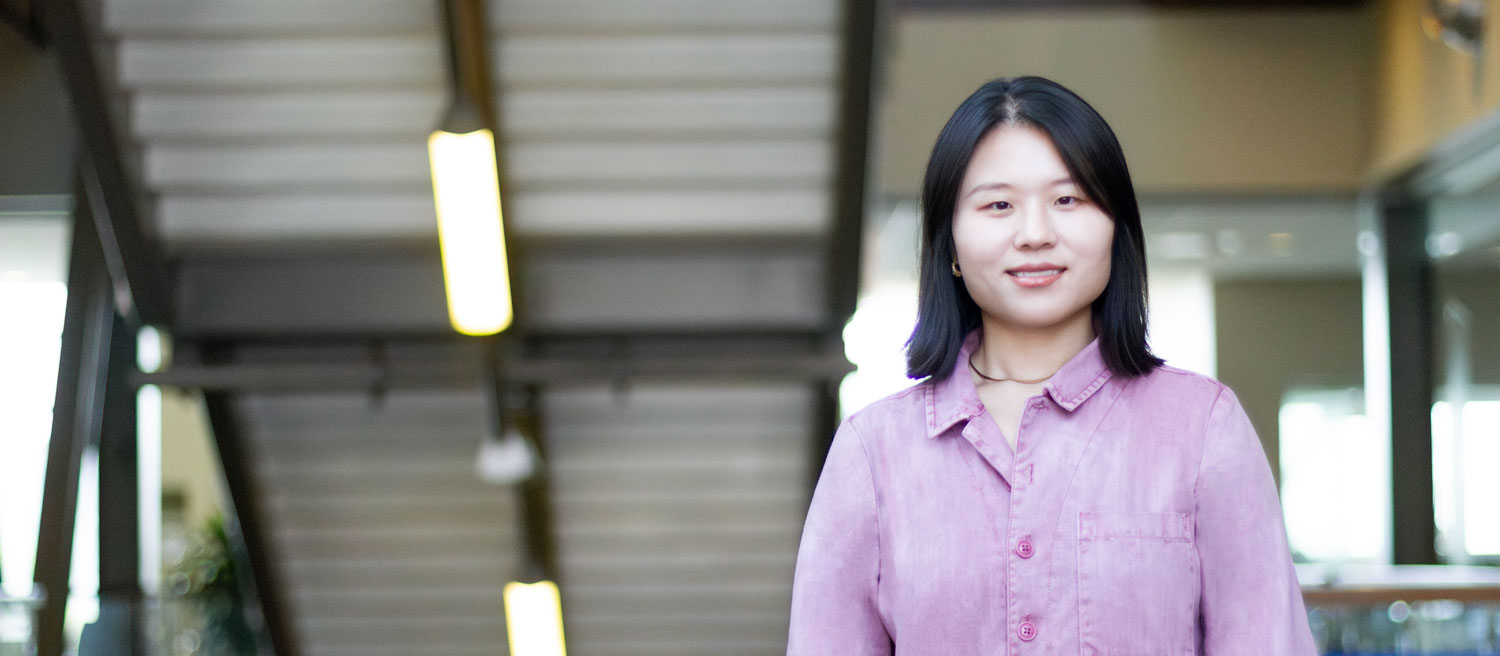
{"points": [[1040, 273], [1035, 276]]}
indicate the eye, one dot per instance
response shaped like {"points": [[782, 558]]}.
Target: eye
{"points": [[1069, 201], [998, 206]]}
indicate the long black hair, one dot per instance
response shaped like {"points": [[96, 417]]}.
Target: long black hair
{"points": [[1092, 154]]}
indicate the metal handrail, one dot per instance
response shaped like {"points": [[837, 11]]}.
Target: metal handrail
{"points": [[36, 599], [1368, 585]]}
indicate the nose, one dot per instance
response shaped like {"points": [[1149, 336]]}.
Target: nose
{"points": [[1036, 229]]}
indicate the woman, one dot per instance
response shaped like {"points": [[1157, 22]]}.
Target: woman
{"points": [[1051, 487]]}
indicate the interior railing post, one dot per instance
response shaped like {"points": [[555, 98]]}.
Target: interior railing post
{"points": [[121, 622]]}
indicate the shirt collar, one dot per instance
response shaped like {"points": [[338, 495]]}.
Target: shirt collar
{"points": [[1077, 380], [954, 399]]}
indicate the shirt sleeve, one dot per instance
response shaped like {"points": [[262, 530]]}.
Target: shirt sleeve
{"points": [[1252, 603], [838, 565]]}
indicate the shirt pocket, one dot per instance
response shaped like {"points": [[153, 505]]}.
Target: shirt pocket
{"points": [[1137, 584]]}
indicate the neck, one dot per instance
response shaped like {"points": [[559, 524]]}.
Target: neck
{"points": [[1012, 352]]}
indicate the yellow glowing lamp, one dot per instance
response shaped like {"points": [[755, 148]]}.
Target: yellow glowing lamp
{"points": [[533, 618], [466, 186]]}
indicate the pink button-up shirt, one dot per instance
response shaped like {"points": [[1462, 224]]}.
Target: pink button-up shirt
{"points": [[1134, 516]]}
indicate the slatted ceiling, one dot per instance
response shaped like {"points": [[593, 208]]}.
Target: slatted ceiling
{"points": [[624, 292], [446, 648], [270, 117], [793, 111], [408, 61], [581, 214], [642, 485], [311, 419], [416, 62], [678, 513], [380, 578], [225, 219], [686, 512], [731, 634], [234, 19], [388, 538], [285, 121], [718, 61], [452, 603], [719, 597], [415, 635], [182, 169]]}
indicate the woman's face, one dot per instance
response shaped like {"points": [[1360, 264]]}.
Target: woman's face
{"points": [[1034, 251]]}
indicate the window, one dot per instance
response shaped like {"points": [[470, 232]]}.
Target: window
{"points": [[1335, 486]]}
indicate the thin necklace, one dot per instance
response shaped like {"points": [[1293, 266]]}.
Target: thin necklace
{"points": [[980, 374]]}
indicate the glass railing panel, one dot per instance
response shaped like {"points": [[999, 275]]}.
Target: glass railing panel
{"points": [[18, 624], [1380, 610]]}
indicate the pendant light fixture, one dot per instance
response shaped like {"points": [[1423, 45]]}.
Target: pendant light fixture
{"points": [[466, 182]]}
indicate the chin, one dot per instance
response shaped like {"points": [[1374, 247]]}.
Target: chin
{"points": [[1040, 322]]}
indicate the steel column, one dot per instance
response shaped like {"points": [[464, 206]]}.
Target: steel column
{"points": [[77, 411], [856, 81], [1409, 303], [120, 611]]}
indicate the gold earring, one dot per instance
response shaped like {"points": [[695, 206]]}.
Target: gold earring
{"points": [[956, 272]]}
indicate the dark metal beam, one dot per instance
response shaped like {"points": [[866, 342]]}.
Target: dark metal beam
{"points": [[534, 495], [249, 528], [845, 246], [369, 293], [851, 165], [368, 373], [77, 411], [142, 286], [25, 17]]}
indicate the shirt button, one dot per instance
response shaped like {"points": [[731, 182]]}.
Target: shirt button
{"points": [[1024, 548], [1026, 631]]}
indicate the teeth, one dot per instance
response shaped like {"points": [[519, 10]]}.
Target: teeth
{"points": [[1036, 274]]}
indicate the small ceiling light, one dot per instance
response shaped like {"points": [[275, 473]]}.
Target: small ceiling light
{"points": [[1445, 244], [1281, 244], [1182, 245], [1229, 242], [506, 459]]}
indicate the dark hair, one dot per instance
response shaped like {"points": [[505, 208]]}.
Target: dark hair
{"points": [[1089, 149]]}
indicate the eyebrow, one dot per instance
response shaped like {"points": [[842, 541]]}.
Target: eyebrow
{"points": [[1006, 185]]}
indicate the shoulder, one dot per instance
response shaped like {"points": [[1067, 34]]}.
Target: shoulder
{"points": [[908, 402], [1181, 387], [900, 414], [1190, 403]]}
